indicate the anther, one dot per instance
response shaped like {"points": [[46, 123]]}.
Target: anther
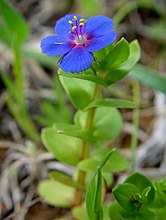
{"points": [[82, 20], [81, 24], [70, 22], [75, 18], [73, 28]]}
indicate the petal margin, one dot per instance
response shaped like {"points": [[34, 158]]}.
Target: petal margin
{"points": [[77, 60], [55, 45], [98, 25], [99, 43], [62, 26]]}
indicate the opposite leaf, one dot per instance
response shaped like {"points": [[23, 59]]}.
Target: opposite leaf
{"points": [[115, 74], [118, 55], [116, 103], [74, 131], [79, 92], [64, 148], [55, 193], [107, 123], [142, 182]]}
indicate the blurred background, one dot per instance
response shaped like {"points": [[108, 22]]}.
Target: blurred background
{"points": [[31, 96]]}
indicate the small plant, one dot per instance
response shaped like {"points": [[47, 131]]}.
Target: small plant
{"points": [[83, 74], [82, 158]]}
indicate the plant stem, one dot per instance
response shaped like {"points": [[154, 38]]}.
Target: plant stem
{"points": [[134, 138], [78, 197], [17, 101]]}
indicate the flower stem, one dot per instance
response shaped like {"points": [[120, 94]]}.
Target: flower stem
{"points": [[78, 197], [134, 138]]}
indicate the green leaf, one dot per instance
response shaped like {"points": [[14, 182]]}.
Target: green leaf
{"points": [[149, 77], [93, 193], [118, 213], [65, 179], [160, 196], [160, 213], [98, 194], [133, 58], [115, 211], [116, 163], [74, 131], [144, 195], [124, 193], [118, 54], [90, 199], [79, 213], [55, 193], [16, 26], [87, 75], [100, 55], [79, 93], [4, 37], [117, 103], [64, 148], [105, 212], [142, 182], [107, 123], [115, 74]]}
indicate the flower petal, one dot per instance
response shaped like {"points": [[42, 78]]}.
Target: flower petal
{"points": [[55, 45], [99, 43], [62, 26], [77, 60], [98, 25]]}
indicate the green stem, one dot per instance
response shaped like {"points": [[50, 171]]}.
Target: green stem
{"points": [[19, 77], [17, 102], [78, 197], [134, 137]]}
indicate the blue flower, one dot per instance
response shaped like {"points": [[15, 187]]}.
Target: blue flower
{"points": [[76, 39]]}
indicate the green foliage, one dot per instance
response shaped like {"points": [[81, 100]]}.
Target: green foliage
{"points": [[80, 213], [149, 77], [13, 32], [54, 111], [86, 75], [135, 196], [65, 179], [65, 148], [55, 193], [74, 131], [94, 191], [116, 103], [115, 74], [14, 28], [114, 65], [81, 144], [117, 55], [117, 212], [142, 183], [76, 89], [116, 163], [104, 120]]}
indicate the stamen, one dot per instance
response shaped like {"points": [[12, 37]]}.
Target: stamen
{"points": [[73, 28], [81, 24], [82, 20], [70, 22], [75, 18]]}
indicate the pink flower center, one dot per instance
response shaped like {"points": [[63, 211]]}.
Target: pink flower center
{"points": [[77, 26]]}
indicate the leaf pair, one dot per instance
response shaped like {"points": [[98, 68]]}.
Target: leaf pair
{"points": [[135, 196]]}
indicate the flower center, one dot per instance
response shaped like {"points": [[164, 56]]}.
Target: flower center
{"points": [[77, 30]]}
